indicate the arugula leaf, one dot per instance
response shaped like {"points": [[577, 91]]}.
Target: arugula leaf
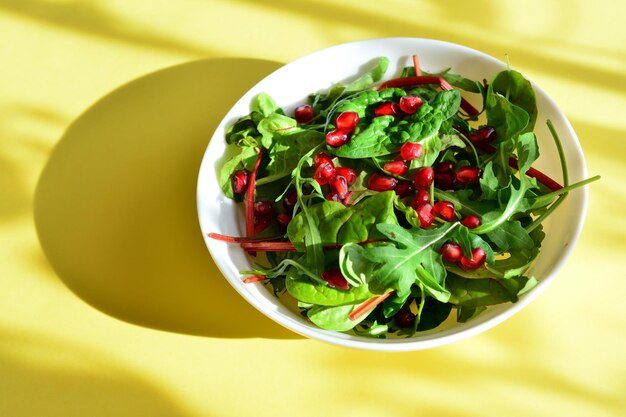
{"points": [[354, 265], [412, 258], [489, 182], [510, 235]]}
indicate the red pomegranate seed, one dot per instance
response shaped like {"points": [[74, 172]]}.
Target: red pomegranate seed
{"points": [[347, 121], [335, 279], [283, 220], [471, 221], [348, 173], [444, 167], [468, 175], [322, 158], [483, 135], [410, 151], [404, 318], [263, 209], [425, 215], [396, 167], [478, 259], [451, 252], [445, 177], [339, 184], [424, 177], [324, 173], [261, 223], [289, 201], [337, 137], [444, 210], [381, 182], [239, 181], [386, 109], [303, 114], [410, 104], [422, 197], [404, 188]]}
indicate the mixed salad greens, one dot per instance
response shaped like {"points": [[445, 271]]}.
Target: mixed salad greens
{"points": [[381, 207]]}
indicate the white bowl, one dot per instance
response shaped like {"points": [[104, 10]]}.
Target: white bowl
{"points": [[291, 84]]}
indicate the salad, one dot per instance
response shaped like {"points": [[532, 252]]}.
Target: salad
{"points": [[382, 206]]}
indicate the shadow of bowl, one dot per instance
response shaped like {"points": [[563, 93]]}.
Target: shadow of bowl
{"points": [[115, 205]]}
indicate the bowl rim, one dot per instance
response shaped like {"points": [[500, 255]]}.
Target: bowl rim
{"points": [[392, 344]]}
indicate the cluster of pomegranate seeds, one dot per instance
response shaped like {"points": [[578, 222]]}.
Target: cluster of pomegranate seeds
{"points": [[239, 181], [444, 210], [344, 127], [338, 178], [381, 182], [471, 221], [335, 279], [452, 252], [410, 151], [387, 109], [404, 318], [398, 168], [410, 104], [348, 173], [447, 177], [303, 114], [324, 171]]}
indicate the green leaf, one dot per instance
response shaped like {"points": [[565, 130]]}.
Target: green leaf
{"points": [[264, 104], [447, 102], [458, 81], [307, 291], [433, 314], [518, 90], [489, 182], [372, 141], [412, 258], [287, 150], [355, 267], [508, 119], [334, 317], [275, 125], [339, 224], [370, 77], [488, 291], [511, 235], [226, 173]]}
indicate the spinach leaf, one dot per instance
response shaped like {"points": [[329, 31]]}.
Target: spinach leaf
{"points": [[508, 119], [447, 102], [518, 91], [370, 77], [265, 105], [275, 125], [334, 317], [353, 264], [308, 291], [412, 258], [483, 292], [372, 141], [287, 150], [458, 81], [339, 224]]}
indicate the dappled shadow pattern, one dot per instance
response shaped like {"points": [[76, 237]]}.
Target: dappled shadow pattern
{"points": [[115, 205]]}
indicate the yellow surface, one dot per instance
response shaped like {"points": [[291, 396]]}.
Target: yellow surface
{"points": [[110, 304]]}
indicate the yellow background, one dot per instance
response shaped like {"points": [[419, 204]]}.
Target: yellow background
{"points": [[110, 304]]}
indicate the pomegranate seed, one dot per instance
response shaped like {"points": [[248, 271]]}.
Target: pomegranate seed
{"points": [[478, 259], [451, 252], [404, 318], [261, 223], [239, 181], [283, 220], [340, 185], [333, 196], [324, 173], [410, 151], [386, 109], [335, 279], [303, 114], [337, 137], [263, 209], [289, 201], [404, 188], [348, 173], [396, 167], [445, 177], [444, 210], [381, 182], [425, 215], [468, 175], [422, 197], [347, 121], [483, 135], [471, 221], [322, 158], [424, 177], [410, 104]]}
